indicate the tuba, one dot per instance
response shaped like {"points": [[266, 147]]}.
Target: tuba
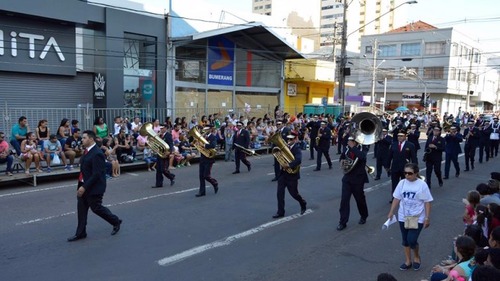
{"points": [[282, 153], [200, 143], [154, 140]]}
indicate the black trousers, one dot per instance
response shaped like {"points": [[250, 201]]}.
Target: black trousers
{"points": [[357, 191], [162, 170], [451, 157], [327, 156], [484, 147], [240, 156], [277, 168], [395, 178], [470, 153], [94, 202], [494, 148], [381, 162], [204, 174], [291, 183], [430, 166], [312, 146]]}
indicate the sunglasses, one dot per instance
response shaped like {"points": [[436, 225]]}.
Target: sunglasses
{"points": [[409, 173]]}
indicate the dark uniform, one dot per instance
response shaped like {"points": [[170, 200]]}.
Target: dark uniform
{"points": [[382, 154], [484, 141], [242, 138], [323, 148], [471, 135], [352, 184], [313, 127], [205, 167], [452, 149], [494, 142], [413, 137], [399, 156], [434, 157], [283, 131], [290, 182], [163, 163]]}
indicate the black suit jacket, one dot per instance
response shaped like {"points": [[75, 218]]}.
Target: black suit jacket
{"points": [[326, 138], [398, 159], [382, 147], [436, 154], [313, 127], [212, 143], [243, 138], [167, 137], [297, 155], [93, 168], [358, 173], [473, 139]]}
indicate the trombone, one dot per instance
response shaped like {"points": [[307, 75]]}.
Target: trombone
{"points": [[247, 151]]}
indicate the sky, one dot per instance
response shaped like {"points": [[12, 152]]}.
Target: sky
{"points": [[480, 19]]}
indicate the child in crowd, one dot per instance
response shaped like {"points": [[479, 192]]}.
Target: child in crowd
{"points": [[111, 157], [149, 158], [473, 198]]}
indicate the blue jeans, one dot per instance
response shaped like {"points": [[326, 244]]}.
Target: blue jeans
{"points": [[410, 236], [9, 159], [16, 145]]}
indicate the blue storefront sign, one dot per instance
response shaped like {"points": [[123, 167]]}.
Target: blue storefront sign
{"points": [[220, 61]]}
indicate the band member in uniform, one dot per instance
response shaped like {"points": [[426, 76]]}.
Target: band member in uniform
{"points": [[382, 153], [163, 163], [241, 138], [353, 184], [433, 155], [323, 145], [398, 127], [494, 137], [206, 163], [471, 136], [284, 131], [288, 180], [91, 188], [313, 127], [484, 141], [400, 153], [452, 149], [413, 136], [340, 135]]}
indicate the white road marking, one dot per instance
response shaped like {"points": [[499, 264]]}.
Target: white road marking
{"points": [[110, 205], [35, 190], [226, 241], [133, 174]]}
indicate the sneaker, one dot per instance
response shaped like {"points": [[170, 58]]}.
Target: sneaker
{"points": [[70, 167], [49, 170], [9, 174], [67, 168], [188, 164], [405, 266]]}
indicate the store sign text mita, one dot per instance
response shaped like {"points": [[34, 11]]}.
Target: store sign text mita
{"points": [[31, 39]]}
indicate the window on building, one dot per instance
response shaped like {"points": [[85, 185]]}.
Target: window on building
{"points": [[453, 74], [433, 73], [436, 48], [462, 75], [268, 6], [477, 57], [387, 50]]}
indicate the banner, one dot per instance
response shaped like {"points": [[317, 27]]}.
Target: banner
{"points": [[220, 61]]}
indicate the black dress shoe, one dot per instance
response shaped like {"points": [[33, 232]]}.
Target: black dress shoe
{"points": [[77, 237], [116, 228], [172, 182], [249, 167], [466, 170], [377, 178], [154, 186], [330, 167], [303, 208], [472, 166], [216, 189], [274, 179], [457, 175], [362, 221], [200, 194], [317, 170], [440, 183], [276, 216], [445, 178], [341, 226], [236, 172]]}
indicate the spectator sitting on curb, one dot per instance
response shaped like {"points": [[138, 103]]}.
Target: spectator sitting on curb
{"points": [[53, 148]]}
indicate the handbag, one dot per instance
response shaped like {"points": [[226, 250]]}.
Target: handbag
{"points": [[411, 222], [56, 160]]}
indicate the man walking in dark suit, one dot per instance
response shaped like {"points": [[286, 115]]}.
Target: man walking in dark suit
{"points": [[484, 141], [284, 131], [288, 180], [206, 163], [471, 136], [353, 184], [325, 140], [433, 155], [313, 127], [382, 153], [452, 149], [163, 163], [91, 188], [242, 139], [400, 153]]}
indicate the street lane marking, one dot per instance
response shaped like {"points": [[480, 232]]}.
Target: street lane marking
{"points": [[110, 205], [226, 241], [36, 190]]}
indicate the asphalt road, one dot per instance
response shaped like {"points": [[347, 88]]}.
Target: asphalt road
{"points": [[168, 234]]}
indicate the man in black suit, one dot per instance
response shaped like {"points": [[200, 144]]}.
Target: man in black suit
{"points": [[382, 153], [325, 140], [400, 153], [353, 184], [91, 188], [434, 147], [288, 180], [163, 163], [452, 150], [241, 138], [313, 127], [484, 141], [471, 136], [413, 136], [206, 163], [284, 131]]}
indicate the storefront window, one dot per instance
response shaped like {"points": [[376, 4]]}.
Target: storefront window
{"points": [[260, 103], [253, 70], [191, 64], [189, 101]]}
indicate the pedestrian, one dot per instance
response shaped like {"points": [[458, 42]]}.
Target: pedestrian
{"points": [[471, 137], [206, 163], [162, 164], [288, 179], [323, 141], [433, 155], [413, 199], [91, 187], [353, 183], [452, 150]]}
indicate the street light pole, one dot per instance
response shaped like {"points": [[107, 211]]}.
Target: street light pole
{"points": [[374, 74]]}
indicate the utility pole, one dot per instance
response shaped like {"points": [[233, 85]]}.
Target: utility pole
{"points": [[469, 81], [374, 74], [343, 58]]}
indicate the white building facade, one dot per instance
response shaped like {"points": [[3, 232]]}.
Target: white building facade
{"points": [[444, 65]]}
